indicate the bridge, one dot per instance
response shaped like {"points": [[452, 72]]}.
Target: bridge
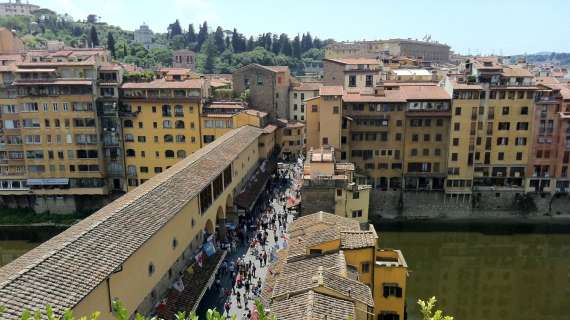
{"points": [[134, 248]]}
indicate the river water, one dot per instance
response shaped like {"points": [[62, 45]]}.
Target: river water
{"points": [[475, 276]]}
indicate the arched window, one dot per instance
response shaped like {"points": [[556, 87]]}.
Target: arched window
{"points": [[128, 123], [169, 153], [179, 124], [166, 111], [178, 111], [180, 138], [181, 154], [130, 153], [168, 138]]}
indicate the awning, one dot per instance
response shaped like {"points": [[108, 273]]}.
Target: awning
{"points": [[255, 186], [48, 182]]}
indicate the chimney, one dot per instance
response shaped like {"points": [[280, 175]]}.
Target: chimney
{"points": [[379, 91]]}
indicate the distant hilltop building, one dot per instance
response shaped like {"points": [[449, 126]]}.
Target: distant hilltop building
{"points": [[17, 8], [144, 35], [427, 50]]}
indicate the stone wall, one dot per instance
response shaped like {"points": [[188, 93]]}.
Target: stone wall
{"points": [[317, 199], [261, 95], [391, 204], [56, 204]]}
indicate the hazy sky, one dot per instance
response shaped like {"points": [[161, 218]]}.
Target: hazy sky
{"points": [[468, 26]]}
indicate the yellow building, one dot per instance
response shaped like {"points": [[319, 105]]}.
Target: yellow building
{"points": [[324, 118], [291, 138], [51, 129], [219, 117], [336, 269], [330, 185], [161, 125], [135, 248]]}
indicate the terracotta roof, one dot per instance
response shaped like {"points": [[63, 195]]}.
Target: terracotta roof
{"points": [[256, 113], [331, 91], [65, 269], [163, 84], [424, 93], [516, 72], [335, 262], [546, 80], [466, 86], [55, 82], [357, 239], [389, 96], [110, 67], [308, 86], [352, 61], [277, 68], [270, 128], [299, 282], [313, 306], [226, 105]]}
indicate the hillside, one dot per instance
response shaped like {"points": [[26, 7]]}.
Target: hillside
{"points": [[219, 51]]}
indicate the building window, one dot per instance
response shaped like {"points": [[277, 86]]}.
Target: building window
{"points": [[365, 266], [391, 289], [457, 126], [151, 269], [314, 108], [356, 195], [458, 111], [335, 110], [454, 156], [357, 213], [157, 169], [505, 111], [369, 80], [352, 81], [501, 156], [524, 110], [325, 141]]}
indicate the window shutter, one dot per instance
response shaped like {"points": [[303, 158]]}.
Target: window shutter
{"points": [[386, 291], [398, 292]]}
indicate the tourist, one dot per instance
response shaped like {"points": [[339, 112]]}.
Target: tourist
{"points": [[238, 299]]}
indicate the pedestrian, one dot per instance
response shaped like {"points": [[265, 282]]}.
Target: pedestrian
{"points": [[238, 299], [264, 258], [227, 306], [253, 270]]}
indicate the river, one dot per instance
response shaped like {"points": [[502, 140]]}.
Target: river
{"points": [[478, 276], [474, 275]]}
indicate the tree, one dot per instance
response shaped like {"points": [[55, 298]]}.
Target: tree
{"points": [[111, 44], [202, 35], [285, 44], [93, 37], [191, 37], [174, 29], [275, 48], [250, 44], [219, 39], [92, 18], [296, 46], [426, 309], [178, 42], [317, 43], [210, 54], [228, 43], [235, 41]]}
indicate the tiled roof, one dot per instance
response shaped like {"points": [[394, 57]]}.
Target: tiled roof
{"points": [[424, 93], [310, 280], [163, 84], [334, 262], [308, 231], [466, 86], [312, 305], [331, 91], [389, 96], [277, 68], [516, 72], [308, 86], [65, 269], [357, 239]]}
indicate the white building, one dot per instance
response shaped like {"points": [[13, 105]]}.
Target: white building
{"points": [[298, 95], [144, 35], [17, 8]]}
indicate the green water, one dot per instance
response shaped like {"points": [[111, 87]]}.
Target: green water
{"points": [[12, 249], [477, 276]]}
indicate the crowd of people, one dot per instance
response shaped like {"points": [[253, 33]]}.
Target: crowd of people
{"points": [[263, 234]]}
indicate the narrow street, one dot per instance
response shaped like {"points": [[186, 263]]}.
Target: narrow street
{"points": [[227, 294]]}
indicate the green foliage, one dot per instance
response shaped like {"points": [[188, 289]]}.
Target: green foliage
{"points": [[224, 94], [27, 216], [428, 313], [139, 76], [232, 51]]}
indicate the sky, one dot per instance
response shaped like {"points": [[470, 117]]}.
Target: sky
{"points": [[504, 27]]}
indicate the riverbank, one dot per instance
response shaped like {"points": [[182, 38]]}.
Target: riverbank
{"points": [[9, 217], [486, 225]]}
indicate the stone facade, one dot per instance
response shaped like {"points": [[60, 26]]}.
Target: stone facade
{"points": [[184, 59], [268, 86]]}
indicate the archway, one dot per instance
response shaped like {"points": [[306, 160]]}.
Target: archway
{"points": [[209, 227], [221, 223]]}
